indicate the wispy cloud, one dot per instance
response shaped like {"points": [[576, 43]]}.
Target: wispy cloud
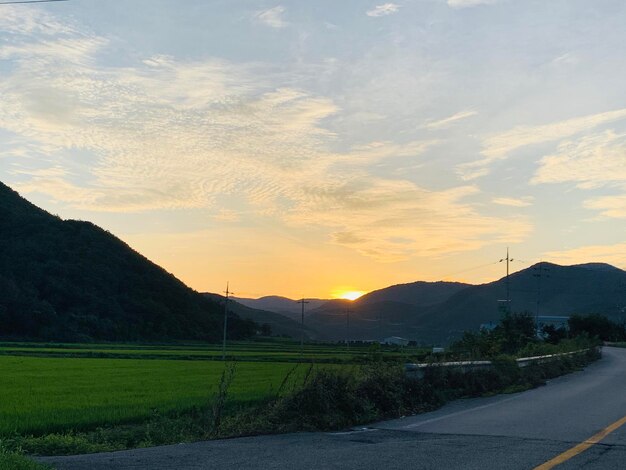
{"points": [[470, 3], [499, 146], [513, 202], [445, 122], [589, 162], [609, 206], [613, 254], [392, 220], [383, 10], [273, 17], [163, 133]]}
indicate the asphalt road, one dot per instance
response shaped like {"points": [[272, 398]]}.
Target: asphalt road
{"points": [[520, 431]]}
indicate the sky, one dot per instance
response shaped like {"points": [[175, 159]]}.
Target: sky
{"points": [[309, 149]]}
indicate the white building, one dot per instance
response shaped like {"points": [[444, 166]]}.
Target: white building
{"points": [[396, 340]]}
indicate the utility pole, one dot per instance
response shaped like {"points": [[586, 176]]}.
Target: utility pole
{"points": [[227, 292], [539, 270], [348, 328], [508, 289], [302, 301]]}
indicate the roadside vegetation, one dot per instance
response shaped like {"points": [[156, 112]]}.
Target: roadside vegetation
{"points": [[516, 335], [71, 405], [11, 460]]}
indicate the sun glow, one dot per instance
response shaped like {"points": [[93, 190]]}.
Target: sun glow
{"points": [[351, 295]]}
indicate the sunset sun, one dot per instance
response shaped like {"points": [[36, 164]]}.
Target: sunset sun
{"points": [[351, 295]]}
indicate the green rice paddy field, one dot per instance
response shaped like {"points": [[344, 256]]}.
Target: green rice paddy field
{"points": [[51, 388], [274, 351], [40, 395]]}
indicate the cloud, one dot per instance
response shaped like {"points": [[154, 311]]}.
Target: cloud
{"points": [[609, 206], [383, 10], [392, 220], [567, 59], [25, 20], [273, 17], [499, 146], [442, 123], [470, 3], [590, 162], [512, 202], [612, 254], [163, 133]]}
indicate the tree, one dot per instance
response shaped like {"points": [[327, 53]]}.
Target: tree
{"points": [[596, 325], [518, 329]]}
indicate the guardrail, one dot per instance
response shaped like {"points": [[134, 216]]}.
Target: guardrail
{"points": [[418, 370]]}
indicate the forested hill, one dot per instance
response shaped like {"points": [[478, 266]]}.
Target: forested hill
{"points": [[70, 280]]}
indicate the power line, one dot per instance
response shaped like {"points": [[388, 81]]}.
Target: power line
{"points": [[31, 1], [469, 269]]}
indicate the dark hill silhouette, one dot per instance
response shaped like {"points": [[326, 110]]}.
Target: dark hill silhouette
{"points": [[69, 280], [415, 293], [381, 313], [564, 290]]}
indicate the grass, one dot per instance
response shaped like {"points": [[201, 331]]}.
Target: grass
{"points": [[43, 395], [16, 461]]}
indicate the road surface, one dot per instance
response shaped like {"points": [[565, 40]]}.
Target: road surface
{"points": [[519, 431]]}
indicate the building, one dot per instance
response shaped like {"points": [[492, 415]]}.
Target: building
{"points": [[551, 320], [396, 340]]}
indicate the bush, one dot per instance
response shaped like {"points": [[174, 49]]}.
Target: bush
{"points": [[381, 387], [327, 401]]}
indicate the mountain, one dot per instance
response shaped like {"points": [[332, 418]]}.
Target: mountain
{"points": [[280, 324], [415, 293], [381, 313], [441, 312], [561, 290], [69, 280], [283, 305]]}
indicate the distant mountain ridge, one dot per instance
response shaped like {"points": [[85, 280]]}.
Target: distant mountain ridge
{"points": [[279, 323], [69, 280], [441, 312], [283, 305], [414, 293]]}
